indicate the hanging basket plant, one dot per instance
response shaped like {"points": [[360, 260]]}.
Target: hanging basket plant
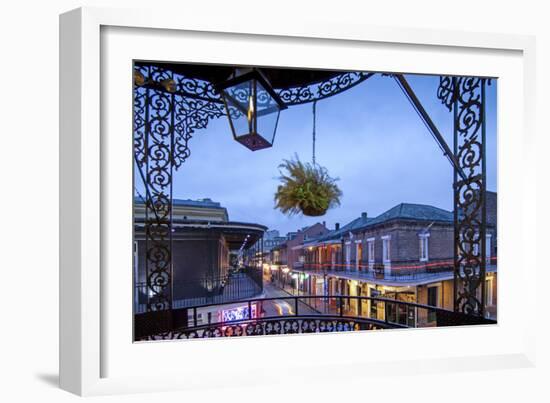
{"points": [[306, 188]]}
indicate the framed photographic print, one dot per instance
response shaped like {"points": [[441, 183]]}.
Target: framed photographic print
{"points": [[214, 263], [230, 194]]}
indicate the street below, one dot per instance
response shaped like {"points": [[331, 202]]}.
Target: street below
{"points": [[283, 307]]}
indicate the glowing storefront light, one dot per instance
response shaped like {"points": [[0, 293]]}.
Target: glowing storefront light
{"points": [[238, 313]]}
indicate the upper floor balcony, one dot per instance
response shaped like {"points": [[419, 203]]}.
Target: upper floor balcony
{"points": [[396, 272], [236, 285]]}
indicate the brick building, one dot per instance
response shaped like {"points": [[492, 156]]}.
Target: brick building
{"points": [[291, 253], [405, 253]]}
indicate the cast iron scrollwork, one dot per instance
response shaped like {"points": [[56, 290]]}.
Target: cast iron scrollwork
{"points": [[191, 115], [323, 89], [163, 125], [280, 326], [201, 90], [140, 118], [153, 139], [466, 97], [196, 89], [445, 91]]}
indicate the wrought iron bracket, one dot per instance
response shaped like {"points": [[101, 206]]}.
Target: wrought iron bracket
{"points": [[425, 117], [201, 90]]}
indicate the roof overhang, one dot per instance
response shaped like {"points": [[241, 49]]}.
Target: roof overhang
{"points": [[236, 234]]}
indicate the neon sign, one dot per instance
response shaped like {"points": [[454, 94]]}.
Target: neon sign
{"points": [[238, 313]]}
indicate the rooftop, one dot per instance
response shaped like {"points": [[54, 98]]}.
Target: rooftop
{"points": [[403, 211], [420, 212], [205, 203]]}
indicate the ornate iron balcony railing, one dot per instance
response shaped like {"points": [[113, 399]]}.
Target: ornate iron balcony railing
{"points": [[399, 272], [247, 283], [306, 314]]}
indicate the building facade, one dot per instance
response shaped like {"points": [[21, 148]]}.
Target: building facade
{"points": [[203, 239], [290, 253], [271, 240], [405, 253]]}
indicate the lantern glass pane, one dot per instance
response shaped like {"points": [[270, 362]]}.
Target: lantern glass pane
{"points": [[267, 125], [240, 107], [268, 113], [265, 103], [240, 124]]}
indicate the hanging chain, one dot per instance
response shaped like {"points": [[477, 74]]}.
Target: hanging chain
{"points": [[314, 118]]}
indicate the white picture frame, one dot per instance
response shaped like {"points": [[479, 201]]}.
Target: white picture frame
{"points": [[90, 343]]}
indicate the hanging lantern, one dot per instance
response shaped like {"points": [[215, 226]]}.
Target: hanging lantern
{"points": [[252, 108]]}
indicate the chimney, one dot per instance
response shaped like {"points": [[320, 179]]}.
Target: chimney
{"points": [[337, 226], [364, 215], [324, 224]]}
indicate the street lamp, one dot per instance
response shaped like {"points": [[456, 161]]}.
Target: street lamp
{"points": [[252, 108]]}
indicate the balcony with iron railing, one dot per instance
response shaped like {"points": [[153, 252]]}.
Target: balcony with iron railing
{"points": [[236, 285], [336, 313], [397, 271], [202, 317]]}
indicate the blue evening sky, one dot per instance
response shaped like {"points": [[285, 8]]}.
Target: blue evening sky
{"points": [[369, 137]]}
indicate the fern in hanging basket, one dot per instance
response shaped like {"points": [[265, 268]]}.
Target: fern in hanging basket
{"points": [[306, 188]]}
